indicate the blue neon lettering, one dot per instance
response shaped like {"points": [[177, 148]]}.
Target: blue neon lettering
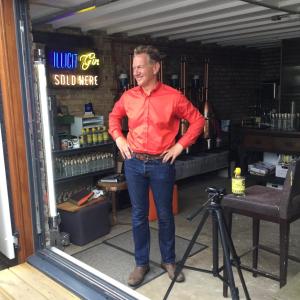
{"points": [[64, 60]]}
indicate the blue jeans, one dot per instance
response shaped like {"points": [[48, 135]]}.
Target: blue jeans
{"points": [[140, 175]]}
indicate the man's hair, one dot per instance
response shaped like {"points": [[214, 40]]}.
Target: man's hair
{"points": [[153, 52]]}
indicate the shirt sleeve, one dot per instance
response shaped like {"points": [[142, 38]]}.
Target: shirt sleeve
{"points": [[115, 119], [186, 110]]}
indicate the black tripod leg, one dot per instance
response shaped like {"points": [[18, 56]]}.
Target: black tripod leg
{"points": [[228, 268], [227, 216], [181, 263], [215, 246], [235, 257]]}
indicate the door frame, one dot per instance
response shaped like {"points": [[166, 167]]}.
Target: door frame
{"points": [[18, 172]]}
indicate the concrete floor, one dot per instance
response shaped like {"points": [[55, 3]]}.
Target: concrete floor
{"points": [[200, 285]]}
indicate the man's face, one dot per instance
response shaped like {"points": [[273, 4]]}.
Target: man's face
{"points": [[144, 71]]}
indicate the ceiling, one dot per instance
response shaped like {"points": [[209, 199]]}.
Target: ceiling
{"points": [[253, 23]]}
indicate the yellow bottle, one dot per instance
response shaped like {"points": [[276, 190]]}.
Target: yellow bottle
{"points": [[89, 136], [100, 135], [82, 138], [94, 136], [238, 183]]}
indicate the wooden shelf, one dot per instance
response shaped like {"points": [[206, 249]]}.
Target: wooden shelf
{"points": [[82, 149], [264, 179], [90, 174]]}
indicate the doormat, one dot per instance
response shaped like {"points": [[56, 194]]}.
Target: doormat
{"points": [[114, 262], [124, 241]]}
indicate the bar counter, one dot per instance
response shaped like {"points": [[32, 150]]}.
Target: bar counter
{"points": [[268, 140]]}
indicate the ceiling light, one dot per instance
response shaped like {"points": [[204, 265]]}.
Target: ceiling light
{"points": [[87, 9]]}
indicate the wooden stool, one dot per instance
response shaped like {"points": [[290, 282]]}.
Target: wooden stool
{"points": [[113, 188]]}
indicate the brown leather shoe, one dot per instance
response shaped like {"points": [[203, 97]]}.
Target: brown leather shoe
{"points": [[170, 268], [137, 275]]}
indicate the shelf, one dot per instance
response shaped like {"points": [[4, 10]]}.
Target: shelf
{"points": [[83, 149], [264, 179], [90, 174]]}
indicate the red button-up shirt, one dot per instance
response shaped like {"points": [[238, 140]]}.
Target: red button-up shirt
{"points": [[153, 120]]}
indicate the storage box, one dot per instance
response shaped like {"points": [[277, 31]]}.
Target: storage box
{"points": [[152, 209], [86, 224], [274, 185], [281, 171]]}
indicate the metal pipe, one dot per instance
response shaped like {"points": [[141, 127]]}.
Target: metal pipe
{"points": [[131, 80], [183, 123], [183, 74], [160, 75]]}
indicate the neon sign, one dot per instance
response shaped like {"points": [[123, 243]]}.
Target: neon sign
{"points": [[87, 60], [64, 60], [68, 68], [74, 80], [71, 60]]}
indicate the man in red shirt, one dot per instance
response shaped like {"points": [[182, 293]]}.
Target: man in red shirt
{"points": [[154, 111]]}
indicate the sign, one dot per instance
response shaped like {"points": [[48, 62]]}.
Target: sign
{"points": [[73, 68]]}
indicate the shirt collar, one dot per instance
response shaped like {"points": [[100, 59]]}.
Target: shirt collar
{"points": [[158, 85]]}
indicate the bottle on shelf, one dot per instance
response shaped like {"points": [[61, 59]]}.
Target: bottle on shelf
{"points": [[82, 138], [94, 136], [100, 135], [89, 137], [238, 183], [105, 136]]}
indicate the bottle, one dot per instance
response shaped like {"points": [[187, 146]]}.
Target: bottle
{"points": [[94, 136], [105, 136], [238, 183], [82, 138], [89, 137], [100, 135]]}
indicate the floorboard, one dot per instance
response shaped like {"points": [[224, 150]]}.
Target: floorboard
{"points": [[25, 282]]}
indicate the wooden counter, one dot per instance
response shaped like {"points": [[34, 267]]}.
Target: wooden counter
{"points": [[267, 140]]}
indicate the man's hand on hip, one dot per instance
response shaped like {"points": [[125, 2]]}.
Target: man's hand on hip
{"points": [[172, 153], [123, 147]]}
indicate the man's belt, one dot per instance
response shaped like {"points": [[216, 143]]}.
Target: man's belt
{"points": [[146, 157]]}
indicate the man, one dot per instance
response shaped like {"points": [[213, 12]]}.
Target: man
{"points": [[154, 111]]}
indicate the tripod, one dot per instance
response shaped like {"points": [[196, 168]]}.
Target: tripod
{"points": [[212, 206]]}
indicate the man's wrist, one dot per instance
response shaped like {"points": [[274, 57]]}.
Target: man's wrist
{"points": [[119, 138], [179, 145]]}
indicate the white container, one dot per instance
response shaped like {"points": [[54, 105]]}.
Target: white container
{"points": [[281, 171], [274, 186]]}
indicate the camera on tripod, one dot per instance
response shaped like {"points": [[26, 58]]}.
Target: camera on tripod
{"points": [[219, 229], [215, 194]]}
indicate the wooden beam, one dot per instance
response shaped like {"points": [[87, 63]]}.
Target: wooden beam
{"points": [[14, 127]]}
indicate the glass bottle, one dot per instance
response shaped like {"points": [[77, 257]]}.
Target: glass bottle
{"points": [[94, 136], [89, 137], [100, 135], [82, 138], [238, 183]]}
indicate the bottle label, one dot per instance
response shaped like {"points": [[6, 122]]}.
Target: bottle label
{"points": [[238, 186]]}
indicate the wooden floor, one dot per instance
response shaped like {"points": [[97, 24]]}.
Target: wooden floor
{"points": [[25, 282]]}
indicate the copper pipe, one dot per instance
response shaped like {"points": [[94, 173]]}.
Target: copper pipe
{"points": [[183, 74], [206, 108], [206, 80], [183, 123], [131, 80], [160, 74]]}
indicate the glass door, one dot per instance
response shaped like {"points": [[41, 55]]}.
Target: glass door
{"points": [[6, 235]]}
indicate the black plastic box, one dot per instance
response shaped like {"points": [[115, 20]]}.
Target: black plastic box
{"points": [[87, 224]]}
